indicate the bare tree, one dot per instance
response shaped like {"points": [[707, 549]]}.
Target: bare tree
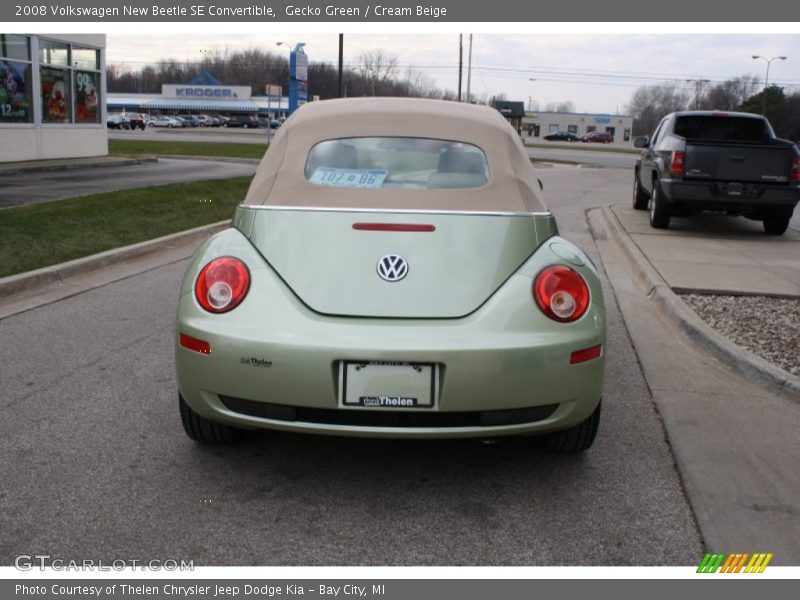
{"points": [[649, 104], [420, 85], [566, 106], [731, 94], [376, 67]]}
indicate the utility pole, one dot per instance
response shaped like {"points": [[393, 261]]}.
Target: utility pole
{"points": [[341, 61], [460, 61], [698, 85], [469, 70]]}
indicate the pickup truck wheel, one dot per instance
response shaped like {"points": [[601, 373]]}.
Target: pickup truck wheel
{"points": [[659, 211], [640, 197], [777, 221]]}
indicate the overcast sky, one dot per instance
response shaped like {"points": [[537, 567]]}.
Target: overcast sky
{"points": [[596, 72]]}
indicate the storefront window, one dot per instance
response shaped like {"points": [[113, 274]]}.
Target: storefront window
{"points": [[15, 92], [87, 84], [55, 95], [15, 79], [53, 53], [15, 47], [85, 58]]}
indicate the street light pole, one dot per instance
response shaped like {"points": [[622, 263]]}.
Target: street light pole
{"points": [[766, 79]]}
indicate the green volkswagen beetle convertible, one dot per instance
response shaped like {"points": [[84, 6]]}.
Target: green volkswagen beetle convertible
{"points": [[392, 272]]}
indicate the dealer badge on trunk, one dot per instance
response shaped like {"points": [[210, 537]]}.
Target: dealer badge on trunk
{"points": [[392, 267]]}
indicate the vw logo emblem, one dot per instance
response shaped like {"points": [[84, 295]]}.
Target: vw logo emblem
{"points": [[392, 267]]}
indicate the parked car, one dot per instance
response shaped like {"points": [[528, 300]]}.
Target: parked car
{"points": [[136, 120], [393, 271], [726, 162], [117, 121], [164, 121], [599, 137], [561, 136], [267, 122], [191, 120], [245, 121]]}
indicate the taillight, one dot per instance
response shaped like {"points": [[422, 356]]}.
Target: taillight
{"points": [[222, 284], [795, 177], [678, 163], [561, 293]]}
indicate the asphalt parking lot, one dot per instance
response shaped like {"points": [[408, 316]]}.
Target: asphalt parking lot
{"points": [[92, 444]]}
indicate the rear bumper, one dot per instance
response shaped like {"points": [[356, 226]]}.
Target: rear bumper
{"points": [[718, 195], [502, 370]]}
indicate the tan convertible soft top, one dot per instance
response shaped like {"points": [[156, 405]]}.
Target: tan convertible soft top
{"points": [[280, 178]]}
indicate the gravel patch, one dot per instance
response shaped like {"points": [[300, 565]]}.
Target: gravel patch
{"points": [[768, 327]]}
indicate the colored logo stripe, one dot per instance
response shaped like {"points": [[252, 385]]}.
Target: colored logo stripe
{"points": [[758, 563], [733, 563]]}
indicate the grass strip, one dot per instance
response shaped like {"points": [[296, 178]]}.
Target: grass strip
{"points": [[39, 235], [150, 147]]}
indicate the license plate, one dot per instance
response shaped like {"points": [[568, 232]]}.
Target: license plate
{"points": [[392, 385]]}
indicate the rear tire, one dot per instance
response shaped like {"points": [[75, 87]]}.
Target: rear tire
{"points": [[777, 221], [659, 211], [640, 197], [206, 431], [574, 440]]}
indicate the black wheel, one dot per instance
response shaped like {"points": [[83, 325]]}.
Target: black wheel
{"points": [[777, 221], [640, 197], [204, 430], [576, 439], [659, 211]]}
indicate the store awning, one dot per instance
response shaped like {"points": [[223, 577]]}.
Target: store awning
{"points": [[200, 104]]}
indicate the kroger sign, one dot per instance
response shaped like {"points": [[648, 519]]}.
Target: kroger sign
{"points": [[205, 91]]}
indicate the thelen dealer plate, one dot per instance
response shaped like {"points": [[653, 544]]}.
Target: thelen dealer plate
{"points": [[392, 385]]}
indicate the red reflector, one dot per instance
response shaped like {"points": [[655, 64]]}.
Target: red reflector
{"points": [[392, 227], [191, 343], [580, 356]]}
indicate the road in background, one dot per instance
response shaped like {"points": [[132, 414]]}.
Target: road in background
{"points": [[44, 186], [578, 153]]}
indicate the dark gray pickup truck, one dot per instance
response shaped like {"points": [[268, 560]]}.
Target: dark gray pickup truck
{"points": [[717, 161]]}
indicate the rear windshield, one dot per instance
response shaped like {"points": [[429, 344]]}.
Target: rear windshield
{"points": [[720, 128], [396, 162]]}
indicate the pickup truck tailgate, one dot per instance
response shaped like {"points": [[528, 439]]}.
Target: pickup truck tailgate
{"points": [[738, 162]]}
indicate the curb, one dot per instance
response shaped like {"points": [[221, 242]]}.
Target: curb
{"points": [[56, 273], [225, 159], [123, 162], [681, 314]]}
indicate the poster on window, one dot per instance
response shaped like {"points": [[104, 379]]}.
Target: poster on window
{"points": [[55, 95], [15, 106], [86, 97]]}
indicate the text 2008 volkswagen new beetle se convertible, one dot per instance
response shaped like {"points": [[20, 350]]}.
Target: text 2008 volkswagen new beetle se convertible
{"points": [[392, 272]]}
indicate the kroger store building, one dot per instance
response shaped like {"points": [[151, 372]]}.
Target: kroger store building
{"points": [[52, 94], [203, 94]]}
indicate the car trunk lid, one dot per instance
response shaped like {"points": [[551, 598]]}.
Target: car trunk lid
{"points": [[393, 264]]}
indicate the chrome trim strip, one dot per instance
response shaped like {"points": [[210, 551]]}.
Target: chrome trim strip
{"points": [[397, 211]]}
